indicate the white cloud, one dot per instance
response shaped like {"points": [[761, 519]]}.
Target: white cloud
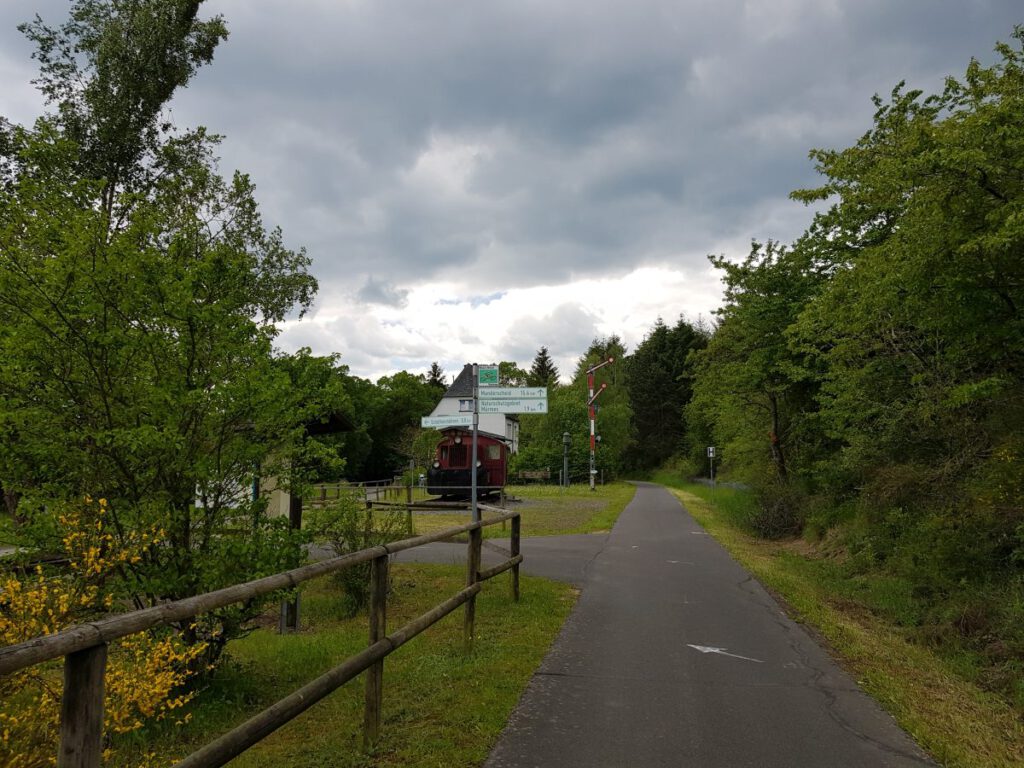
{"points": [[433, 325]]}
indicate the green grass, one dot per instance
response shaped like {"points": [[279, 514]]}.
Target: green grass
{"points": [[547, 510], [441, 707], [866, 621]]}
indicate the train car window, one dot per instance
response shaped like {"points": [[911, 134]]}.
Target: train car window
{"points": [[458, 456], [444, 454], [494, 452]]}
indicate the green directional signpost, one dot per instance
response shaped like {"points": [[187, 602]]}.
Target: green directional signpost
{"points": [[514, 405], [489, 397], [487, 376], [514, 400]]}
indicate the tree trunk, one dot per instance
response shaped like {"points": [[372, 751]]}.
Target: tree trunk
{"points": [[776, 444]]}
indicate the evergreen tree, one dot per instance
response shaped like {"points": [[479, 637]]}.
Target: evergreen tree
{"points": [[543, 372], [659, 381], [435, 377]]}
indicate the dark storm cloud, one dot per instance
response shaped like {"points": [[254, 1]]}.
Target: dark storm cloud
{"points": [[374, 292], [519, 142]]}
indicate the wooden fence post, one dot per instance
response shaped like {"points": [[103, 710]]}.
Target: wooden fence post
{"points": [[472, 570], [378, 630], [513, 551], [81, 708], [289, 621]]}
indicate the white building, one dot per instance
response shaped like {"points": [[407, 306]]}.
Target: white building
{"points": [[459, 399]]}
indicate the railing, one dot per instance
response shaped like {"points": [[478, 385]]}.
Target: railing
{"points": [[372, 490], [84, 647]]}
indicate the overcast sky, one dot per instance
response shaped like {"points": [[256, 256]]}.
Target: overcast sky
{"points": [[477, 178]]}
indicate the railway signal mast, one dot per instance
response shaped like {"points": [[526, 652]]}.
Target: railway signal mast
{"points": [[592, 412]]}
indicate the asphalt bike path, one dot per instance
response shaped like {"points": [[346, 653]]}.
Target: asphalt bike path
{"points": [[675, 656]]}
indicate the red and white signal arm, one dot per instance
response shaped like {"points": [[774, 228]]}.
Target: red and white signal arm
{"points": [[711, 451]]}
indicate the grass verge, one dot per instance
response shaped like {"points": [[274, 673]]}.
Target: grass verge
{"points": [[547, 510], [441, 706], [960, 724]]}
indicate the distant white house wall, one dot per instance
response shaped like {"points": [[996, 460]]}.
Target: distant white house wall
{"points": [[459, 399], [495, 423]]}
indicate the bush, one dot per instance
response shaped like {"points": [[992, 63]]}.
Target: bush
{"points": [[779, 511], [146, 673], [348, 525]]}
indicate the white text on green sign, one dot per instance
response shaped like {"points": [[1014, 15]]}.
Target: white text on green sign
{"points": [[514, 393], [514, 405], [453, 420]]}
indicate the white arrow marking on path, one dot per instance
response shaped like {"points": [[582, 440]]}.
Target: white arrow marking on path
{"points": [[721, 652]]}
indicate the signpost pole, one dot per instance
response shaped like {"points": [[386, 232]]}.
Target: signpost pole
{"points": [[472, 457]]}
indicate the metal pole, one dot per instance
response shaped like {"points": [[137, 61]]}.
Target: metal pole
{"points": [[476, 426], [590, 409], [591, 397], [566, 438]]}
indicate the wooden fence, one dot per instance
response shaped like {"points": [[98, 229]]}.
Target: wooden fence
{"points": [[84, 647], [375, 490]]}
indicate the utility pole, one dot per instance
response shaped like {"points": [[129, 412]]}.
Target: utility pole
{"points": [[592, 396]]}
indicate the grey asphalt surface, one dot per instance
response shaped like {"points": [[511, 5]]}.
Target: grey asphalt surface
{"points": [[633, 681], [562, 558]]}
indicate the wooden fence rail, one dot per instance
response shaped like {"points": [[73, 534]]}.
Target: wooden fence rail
{"points": [[84, 647]]}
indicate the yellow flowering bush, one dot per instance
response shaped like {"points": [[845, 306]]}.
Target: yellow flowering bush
{"points": [[145, 672]]}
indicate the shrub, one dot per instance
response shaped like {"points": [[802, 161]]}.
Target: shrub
{"points": [[145, 672], [348, 525], [779, 511]]}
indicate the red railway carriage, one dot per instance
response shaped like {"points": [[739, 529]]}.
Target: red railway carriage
{"points": [[449, 474]]}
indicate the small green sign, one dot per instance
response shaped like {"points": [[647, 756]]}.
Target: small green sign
{"points": [[487, 376]]}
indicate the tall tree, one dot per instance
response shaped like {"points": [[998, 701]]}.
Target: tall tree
{"points": [[541, 436], [920, 331], [435, 377], [753, 386], [110, 70], [140, 294], [659, 381], [543, 372]]}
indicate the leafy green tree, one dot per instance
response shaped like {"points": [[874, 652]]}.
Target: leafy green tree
{"points": [[139, 296], [393, 417], [543, 372], [541, 436], [510, 374], [659, 381], [752, 387], [920, 330], [110, 70]]}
